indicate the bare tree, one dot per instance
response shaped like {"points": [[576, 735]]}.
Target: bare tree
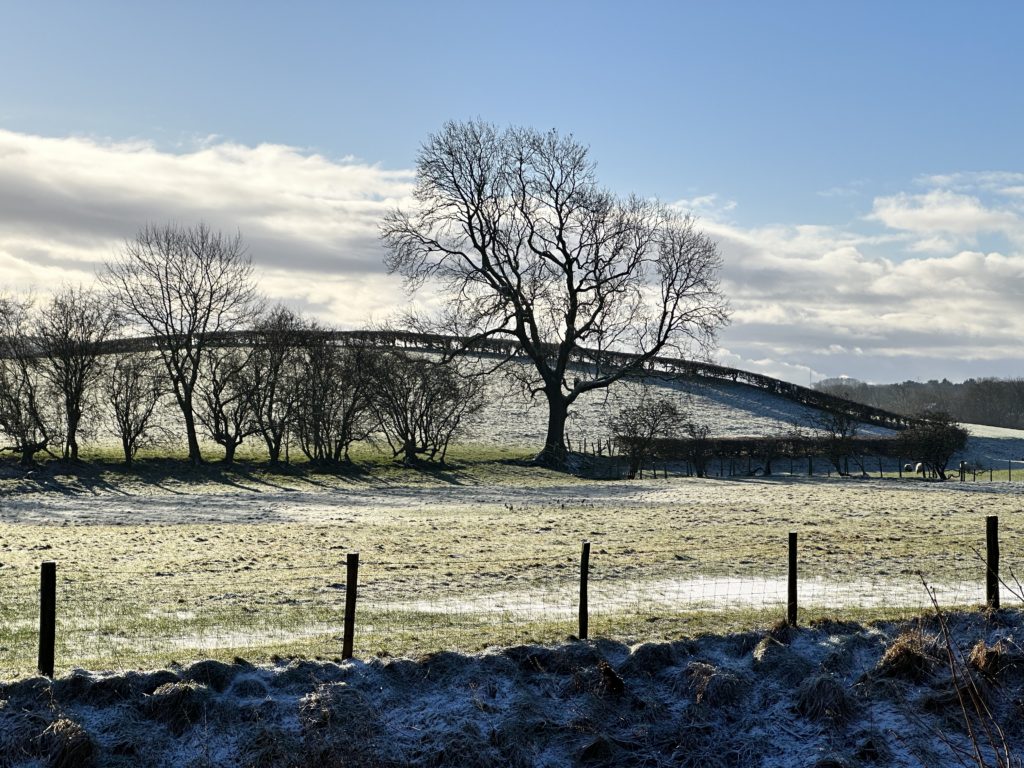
{"points": [[225, 407], [72, 328], [837, 433], [421, 405], [698, 446], [334, 393], [781, 441], [133, 391], [184, 285], [514, 229], [24, 415], [272, 381], [933, 441], [636, 428]]}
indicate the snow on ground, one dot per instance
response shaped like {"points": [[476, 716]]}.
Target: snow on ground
{"points": [[1002, 433], [995, 446], [730, 409], [837, 694]]}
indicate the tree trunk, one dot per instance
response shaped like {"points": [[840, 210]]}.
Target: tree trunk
{"points": [[29, 450], [274, 449], [74, 417], [554, 454], [409, 453], [229, 451], [195, 456]]}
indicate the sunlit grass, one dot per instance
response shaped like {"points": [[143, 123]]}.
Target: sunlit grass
{"points": [[119, 640], [436, 576]]}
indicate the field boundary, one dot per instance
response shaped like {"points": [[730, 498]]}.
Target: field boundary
{"points": [[608, 593]]}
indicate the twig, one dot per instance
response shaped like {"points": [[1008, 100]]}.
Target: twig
{"points": [[958, 670]]}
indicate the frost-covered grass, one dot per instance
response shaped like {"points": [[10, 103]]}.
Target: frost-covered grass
{"points": [[480, 553], [835, 693]]}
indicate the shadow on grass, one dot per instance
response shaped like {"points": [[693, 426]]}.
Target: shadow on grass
{"points": [[59, 476], [174, 475]]}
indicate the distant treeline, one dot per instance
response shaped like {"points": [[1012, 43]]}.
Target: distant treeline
{"points": [[995, 402]]}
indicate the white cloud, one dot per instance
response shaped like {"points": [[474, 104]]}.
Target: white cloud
{"points": [[67, 204], [911, 290], [710, 206], [834, 299], [942, 212], [974, 181]]}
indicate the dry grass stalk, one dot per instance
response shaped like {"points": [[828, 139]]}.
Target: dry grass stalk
{"points": [[982, 728], [823, 697], [66, 744], [909, 657]]}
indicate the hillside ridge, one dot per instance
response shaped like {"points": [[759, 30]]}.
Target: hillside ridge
{"points": [[672, 367]]}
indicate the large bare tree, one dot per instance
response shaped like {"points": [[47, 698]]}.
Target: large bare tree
{"points": [[72, 327], [512, 226], [184, 285]]}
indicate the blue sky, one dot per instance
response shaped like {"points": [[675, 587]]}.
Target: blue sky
{"points": [[849, 133]]}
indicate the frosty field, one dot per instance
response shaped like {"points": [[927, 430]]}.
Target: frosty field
{"points": [[155, 568], [230, 584]]}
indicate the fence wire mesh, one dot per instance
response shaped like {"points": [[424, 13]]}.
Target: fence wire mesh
{"points": [[118, 619]]}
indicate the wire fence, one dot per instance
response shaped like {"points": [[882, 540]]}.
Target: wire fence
{"points": [[120, 619]]}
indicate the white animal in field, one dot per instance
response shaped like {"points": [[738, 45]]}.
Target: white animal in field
{"points": [[919, 469]]}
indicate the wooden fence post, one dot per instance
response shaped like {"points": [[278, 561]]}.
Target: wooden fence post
{"points": [[584, 573], [47, 616], [1009, 470], [351, 585], [992, 561], [792, 601]]}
